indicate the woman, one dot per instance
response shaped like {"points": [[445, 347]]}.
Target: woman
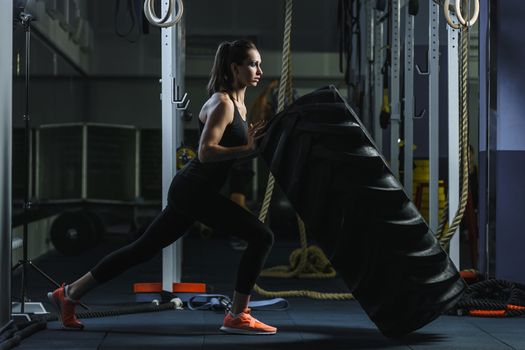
{"points": [[242, 171], [194, 195]]}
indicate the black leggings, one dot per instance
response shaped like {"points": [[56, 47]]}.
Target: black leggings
{"points": [[189, 201]]}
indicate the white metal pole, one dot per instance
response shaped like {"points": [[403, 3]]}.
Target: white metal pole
{"points": [[409, 101], [6, 90], [433, 106], [395, 115], [453, 136], [171, 257]]}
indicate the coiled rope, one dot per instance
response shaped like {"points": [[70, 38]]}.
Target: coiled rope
{"points": [[149, 12], [493, 298], [305, 262], [445, 237]]}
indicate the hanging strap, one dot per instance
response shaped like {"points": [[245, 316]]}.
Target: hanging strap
{"points": [[132, 33], [217, 302]]}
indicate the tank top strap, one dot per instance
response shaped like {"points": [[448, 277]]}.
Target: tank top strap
{"points": [[235, 109]]}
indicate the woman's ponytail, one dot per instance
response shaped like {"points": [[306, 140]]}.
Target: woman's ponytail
{"points": [[221, 76]]}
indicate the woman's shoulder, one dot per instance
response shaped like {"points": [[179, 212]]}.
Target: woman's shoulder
{"points": [[219, 101], [220, 97], [219, 104]]}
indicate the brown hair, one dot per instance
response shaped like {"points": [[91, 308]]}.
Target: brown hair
{"points": [[228, 52]]}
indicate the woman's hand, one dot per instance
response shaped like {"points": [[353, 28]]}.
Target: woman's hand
{"points": [[255, 132]]}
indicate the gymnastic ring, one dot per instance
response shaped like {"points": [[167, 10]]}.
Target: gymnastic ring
{"points": [[459, 15], [149, 12], [446, 11]]}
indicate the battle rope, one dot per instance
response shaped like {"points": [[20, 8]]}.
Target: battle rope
{"points": [[13, 334], [445, 237], [300, 259], [492, 298], [149, 12], [175, 304]]}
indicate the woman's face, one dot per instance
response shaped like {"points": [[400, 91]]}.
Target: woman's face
{"points": [[249, 72]]}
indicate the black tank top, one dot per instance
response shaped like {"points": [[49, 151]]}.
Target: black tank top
{"points": [[216, 173]]}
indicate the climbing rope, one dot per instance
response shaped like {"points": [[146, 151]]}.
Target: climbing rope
{"points": [[149, 12], [284, 84], [459, 15], [443, 221], [464, 26], [305, 262]]}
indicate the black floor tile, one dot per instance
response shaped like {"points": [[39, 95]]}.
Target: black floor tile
{"points": [[307, 324]]}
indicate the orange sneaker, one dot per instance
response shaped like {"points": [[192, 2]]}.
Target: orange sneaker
{"points": [[245, 323], [65, 308]]}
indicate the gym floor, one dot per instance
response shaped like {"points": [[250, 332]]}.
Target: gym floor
{"points": [[306, 324]]}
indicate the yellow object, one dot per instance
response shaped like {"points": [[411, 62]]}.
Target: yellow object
{"points": [[385, 108], [420, 184], [184, 155]]}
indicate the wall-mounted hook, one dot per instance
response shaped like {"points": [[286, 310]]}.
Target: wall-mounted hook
{"points": [[418, 69], [182, 103], [181, 107], [420, 114], [175, 93], [420, 72]]}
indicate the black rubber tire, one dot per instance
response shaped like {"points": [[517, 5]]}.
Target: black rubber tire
{"points": [[329, 168]]}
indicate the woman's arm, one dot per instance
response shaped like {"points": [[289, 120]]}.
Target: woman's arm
{"points": [[220, 115]]}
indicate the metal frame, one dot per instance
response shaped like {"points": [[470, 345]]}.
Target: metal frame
{"points": [[369, 55], [395, 115], [84, 161], [433, 107], [488, 24], [6, 93], [379, 57], [84, 188], [37, 163], [138, 141], [171, 131], [409, 102], [19, 308], [454, 164]]}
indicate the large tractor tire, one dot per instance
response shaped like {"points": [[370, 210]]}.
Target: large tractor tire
{"points": [[358, 212]]}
